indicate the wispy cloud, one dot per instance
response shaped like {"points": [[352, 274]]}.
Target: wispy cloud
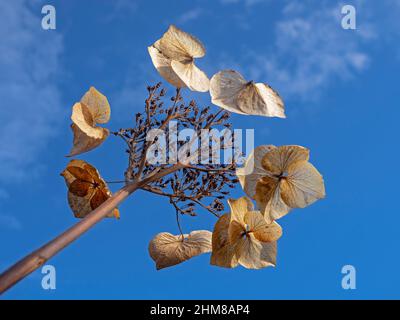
{"points": [[190, 15], [247, 3], [311, 50], [29, 98], [122, 8]]}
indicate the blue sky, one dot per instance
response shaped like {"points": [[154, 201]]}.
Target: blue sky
{"points": [[342, 102]]}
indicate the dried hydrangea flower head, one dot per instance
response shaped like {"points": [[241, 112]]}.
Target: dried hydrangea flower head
{"points": [[168, 250], [230, 91], [86, 189], [91, 110], [244, 237], [281, 178], [173, 56]]}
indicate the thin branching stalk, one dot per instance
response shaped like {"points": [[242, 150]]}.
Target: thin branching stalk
{"points": [[186, 185]]}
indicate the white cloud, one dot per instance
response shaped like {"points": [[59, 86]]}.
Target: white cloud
{"points": [[189, 15], [29, 99], [311, 50], [247, 3], [122, 8]]}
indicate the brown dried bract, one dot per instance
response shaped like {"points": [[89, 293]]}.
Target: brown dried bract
{"points": [[86, 189]]}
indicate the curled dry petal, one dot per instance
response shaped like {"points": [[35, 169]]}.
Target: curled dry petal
{"points": [[86, 189], [163, 66], [193, 77], [168, 250], [92, 109], [173, 57], [229, 90]]}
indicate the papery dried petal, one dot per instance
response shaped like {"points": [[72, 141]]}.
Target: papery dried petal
{"points": [[303, 185], [278, 160], [163, 66], [192, 76], [223, 253], [179, 45], [239, 208], [229, 90], [263, 231], [254, 254], [86, 135], [98, 105], [168, 250]]}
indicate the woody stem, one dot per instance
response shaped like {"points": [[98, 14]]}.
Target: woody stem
{"points": [[34, 260]]}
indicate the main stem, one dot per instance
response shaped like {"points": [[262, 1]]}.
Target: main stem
{"points": [[38, 257]]}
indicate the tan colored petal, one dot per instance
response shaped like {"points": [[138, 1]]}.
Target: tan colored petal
{"points": [[163, 66], [269, 201], [254, 254], [223, 253], [229, 90], [179, 45], [225, 86], [266, 187], [86, 135], [252, 171], [260, 99], [193, 77], [278, 160], [239, 208], [82, 117], [98, 105], [303, 186], [273, 105], [168, 250], [83, 142], [261, 229], [236, 231], [80, 201]]}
